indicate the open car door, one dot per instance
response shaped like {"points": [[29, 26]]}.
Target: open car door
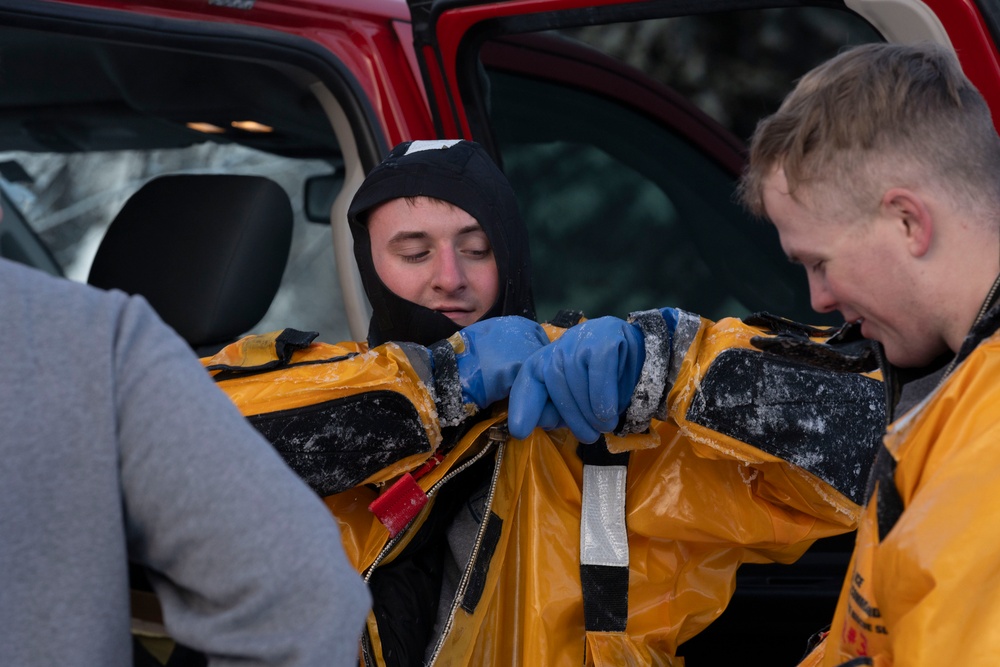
{"points": [[622, 127]]}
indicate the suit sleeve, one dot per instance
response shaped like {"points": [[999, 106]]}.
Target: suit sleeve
{"points": [[343, 415], [773, 442]]}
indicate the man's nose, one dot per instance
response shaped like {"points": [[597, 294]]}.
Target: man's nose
{"points": [[820, 296], [449, 275]]}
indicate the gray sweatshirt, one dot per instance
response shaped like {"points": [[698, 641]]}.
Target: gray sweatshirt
{"points": [[116, 445]]}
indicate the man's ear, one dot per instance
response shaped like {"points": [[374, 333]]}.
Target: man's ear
{"points": [[909, 210]]}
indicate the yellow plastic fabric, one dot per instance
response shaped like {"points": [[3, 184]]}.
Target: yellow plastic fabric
{"points": [[698, 505], [929, 593], [325, 372]]}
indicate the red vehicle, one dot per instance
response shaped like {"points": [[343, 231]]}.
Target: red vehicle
{"points": [[622, 126]]}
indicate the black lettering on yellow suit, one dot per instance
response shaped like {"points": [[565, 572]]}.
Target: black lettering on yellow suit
{"points": [[865, 606]]}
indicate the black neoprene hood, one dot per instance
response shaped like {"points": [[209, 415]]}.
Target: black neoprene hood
{"points": [[463, 174]]}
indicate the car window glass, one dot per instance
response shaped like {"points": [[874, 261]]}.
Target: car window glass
{"points": [[735, 66], [636, 219], [626, 208], [85, 124], [71, 199]]}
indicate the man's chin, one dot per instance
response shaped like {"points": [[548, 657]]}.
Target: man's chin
{"points": [[461, 319]]}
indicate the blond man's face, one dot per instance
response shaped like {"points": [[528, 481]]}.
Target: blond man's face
{"points": [[860, 268]]}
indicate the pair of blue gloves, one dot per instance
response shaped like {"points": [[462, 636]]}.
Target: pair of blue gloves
{"points": [[584, 380]]}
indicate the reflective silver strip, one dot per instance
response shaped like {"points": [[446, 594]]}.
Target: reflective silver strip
{"points": [[429, 145], [603, 537]]}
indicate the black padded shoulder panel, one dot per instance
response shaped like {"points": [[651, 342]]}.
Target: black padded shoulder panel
{"points": [[827, 422]]}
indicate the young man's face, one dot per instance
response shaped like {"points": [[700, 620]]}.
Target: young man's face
{"points": [[435, 255], [861, 269]]}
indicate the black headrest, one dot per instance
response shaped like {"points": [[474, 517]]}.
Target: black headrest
{"points": [[206, 250]]}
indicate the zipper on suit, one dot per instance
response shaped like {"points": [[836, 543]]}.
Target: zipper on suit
{"points": [[498, 438], [497, 435]]}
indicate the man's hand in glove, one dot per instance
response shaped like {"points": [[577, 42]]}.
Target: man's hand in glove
{"points": [[584, 380], [491, 353]]}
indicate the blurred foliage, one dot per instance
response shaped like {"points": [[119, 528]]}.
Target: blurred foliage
{"points": [[624, 215], [734, 66]]}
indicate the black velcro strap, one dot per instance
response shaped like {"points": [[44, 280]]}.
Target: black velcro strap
{"points": [[856, 356], [566, 318], [477, 577], [605, 608], [845, 349], [889, 504], [777, 324], [291, 340], [231, 372], [826, 422], [597, 454]]}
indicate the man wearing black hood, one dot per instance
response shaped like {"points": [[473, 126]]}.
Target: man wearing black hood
{"points": [[440, 244], [420, 179]]}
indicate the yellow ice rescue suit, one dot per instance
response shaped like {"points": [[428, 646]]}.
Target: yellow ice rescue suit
{"points": [[613, 553], [923, 584]]}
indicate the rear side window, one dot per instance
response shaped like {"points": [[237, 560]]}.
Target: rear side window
{"points": [[90, 119], [633, 217], [68, 200], [625, 142]]}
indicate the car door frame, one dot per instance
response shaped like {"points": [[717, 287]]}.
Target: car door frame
{"points": [[447, 34]]}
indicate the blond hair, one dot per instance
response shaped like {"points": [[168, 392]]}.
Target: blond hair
{"points": [[875, 116]]}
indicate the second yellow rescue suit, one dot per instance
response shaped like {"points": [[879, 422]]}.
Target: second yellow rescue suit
{"points": [[922, 585]]}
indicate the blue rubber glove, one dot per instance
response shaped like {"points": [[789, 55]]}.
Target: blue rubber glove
{"points": [[584, 380], [494, 350]]}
